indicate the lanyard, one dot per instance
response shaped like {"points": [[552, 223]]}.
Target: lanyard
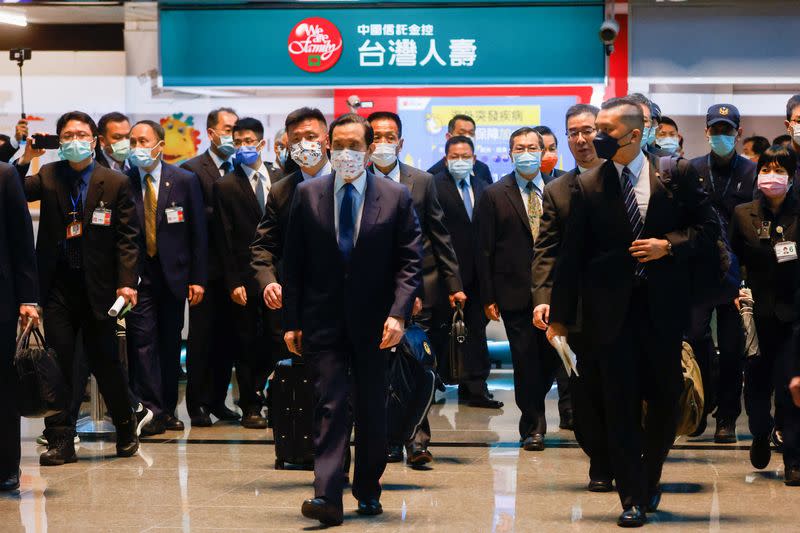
{"points": [[730, 176], [75, 203]]}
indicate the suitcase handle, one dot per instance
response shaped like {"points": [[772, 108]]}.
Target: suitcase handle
{"points": [[24, 339]]}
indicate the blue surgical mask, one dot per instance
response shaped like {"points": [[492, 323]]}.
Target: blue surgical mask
{"points": [[75, 151], [226, 146], [722, 144], [669, 144], [283, 154], [120, 150], [142, 157], [246, 155], [527, 163], [648, 136], [459, 168]]}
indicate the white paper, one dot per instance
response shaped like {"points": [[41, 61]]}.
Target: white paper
{"points": [[117, 307], [568, 357]]}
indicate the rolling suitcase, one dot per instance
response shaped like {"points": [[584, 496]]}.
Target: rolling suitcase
{"points": [[291, 396]]}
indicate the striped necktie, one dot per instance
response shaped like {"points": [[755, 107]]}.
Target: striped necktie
{"points": [[634, 216]]}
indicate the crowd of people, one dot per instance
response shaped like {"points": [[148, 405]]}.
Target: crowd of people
{"points": [[330, 250]]}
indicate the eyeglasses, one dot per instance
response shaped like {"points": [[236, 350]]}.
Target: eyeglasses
{"points": [[587, 132], [246, 142], [519, 150], [70, 136]]}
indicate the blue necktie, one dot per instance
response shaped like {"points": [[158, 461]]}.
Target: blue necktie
{"points": [[347, 222], [467, 198], [225, 167], [635, 217]]}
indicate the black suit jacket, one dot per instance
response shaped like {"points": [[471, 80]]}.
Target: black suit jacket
{"points": [[462, 230], [555, 212], [18, 278], [182, 246], [480, 169], [207, 172], [236, 217], [739, 191], [439, 261], [266, 250], [594, 263], [506, 246], [110, 253], [7, 152], [774, 284], [333, 302]]}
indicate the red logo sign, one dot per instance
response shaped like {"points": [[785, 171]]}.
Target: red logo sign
{"points": [[315, 44]]}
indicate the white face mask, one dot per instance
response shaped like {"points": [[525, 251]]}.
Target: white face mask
{"points": [[307, 154], [349, 164], [796, 133], [385, 154]]}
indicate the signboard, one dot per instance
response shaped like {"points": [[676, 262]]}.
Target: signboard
{"points": [[386, 46]]}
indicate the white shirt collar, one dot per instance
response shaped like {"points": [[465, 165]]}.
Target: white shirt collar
{"points": [[218, 160], [324, 171], [393, 174], [359, 183], [250, 172], [538, 181]]}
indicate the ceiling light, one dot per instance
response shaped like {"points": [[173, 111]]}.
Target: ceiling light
{"points": [[16, 19]]}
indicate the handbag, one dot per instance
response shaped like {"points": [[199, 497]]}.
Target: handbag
{"points": [[40, 388], [457, 345]]}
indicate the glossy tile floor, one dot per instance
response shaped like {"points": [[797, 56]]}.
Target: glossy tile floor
{"points": [[222, 479]]}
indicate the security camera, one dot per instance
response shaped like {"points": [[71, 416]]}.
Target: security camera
{"points": [[355, 103], [609, 30]]}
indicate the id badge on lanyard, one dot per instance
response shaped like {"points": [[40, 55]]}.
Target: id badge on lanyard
{"points": [[74, 228]]}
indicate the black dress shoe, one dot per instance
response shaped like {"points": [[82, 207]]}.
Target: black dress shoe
{"points": [[10, 483], [791, 476], [127, 437], [600, 485], [60, 450], [322, 510], [201, 418], [369, 508], [154, 427], [533, 443], [484, 402], [653, 501], [252, 419], [223, 413], [394, 453], [171, 423], [418, 455], [632, 517], [726, 431], [567, 421], [760, 452]]}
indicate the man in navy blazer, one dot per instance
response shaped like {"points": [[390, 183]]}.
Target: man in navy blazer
{"points": [[174, 251], [353, 264]]}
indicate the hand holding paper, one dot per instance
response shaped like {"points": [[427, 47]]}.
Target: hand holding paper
{"points": [[568, 357]]}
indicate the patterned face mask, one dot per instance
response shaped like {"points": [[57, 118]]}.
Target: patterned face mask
{"points": [[307, 154], [348, 163]]}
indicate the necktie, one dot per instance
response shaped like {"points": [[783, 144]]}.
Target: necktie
{"points": [[346, 222], [464, 186], [150, 206], [634, 216], [534, 209], [261, 196], [225, 167]]}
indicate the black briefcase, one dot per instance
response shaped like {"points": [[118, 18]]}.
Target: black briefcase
{"points": [[41, 390], [458, 340]]}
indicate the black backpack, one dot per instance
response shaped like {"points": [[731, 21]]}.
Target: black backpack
{"points": [[715, 270]]}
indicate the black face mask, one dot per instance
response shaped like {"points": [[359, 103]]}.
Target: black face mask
{"points": [[606, 146]]}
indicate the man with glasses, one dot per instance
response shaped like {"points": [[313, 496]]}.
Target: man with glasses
{"points": [[87, 258], [240, 199], [589, 421], [508, 217]]}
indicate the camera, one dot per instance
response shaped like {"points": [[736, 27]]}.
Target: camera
{"points": [[609, 30]]}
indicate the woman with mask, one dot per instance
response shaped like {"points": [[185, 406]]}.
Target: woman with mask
{"points": [[763, 234]]}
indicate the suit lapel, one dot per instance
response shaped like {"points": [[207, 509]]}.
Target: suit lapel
{"points": [[247, 190], [657, 191], [136, 187], [512, 193], [325, 209], [372, 208], [62, 193], [94, 191], [211, 167], [449, 188], [405, 177], [614, 199], [165, 187]]}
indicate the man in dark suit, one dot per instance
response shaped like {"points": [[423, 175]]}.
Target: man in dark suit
{"points": [[211, 343], [277, 169], [626, 258], [729, 180], [173, 245], [353, 267], [589, 416], [439, 262], [508, 219], [114, 134], [87, 258], [19, 294], [463, 125], [10, 147], [307, 131], [458, 193], [239, 201]]}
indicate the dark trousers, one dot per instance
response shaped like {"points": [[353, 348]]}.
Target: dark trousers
{"points": [[9, 416], [590, 414], [211, 345], [641, 363], [342, 375], [723, 389], [765, 374], [66, 312], [534, 363], [437, 326], [154, 341], [564, 392], [260, 340]]}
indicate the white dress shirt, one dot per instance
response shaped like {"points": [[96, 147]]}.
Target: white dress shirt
{"points": [[640, 179], [263, 175], [156, 173], [393, 174], [360, 183], [538, 187]]}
